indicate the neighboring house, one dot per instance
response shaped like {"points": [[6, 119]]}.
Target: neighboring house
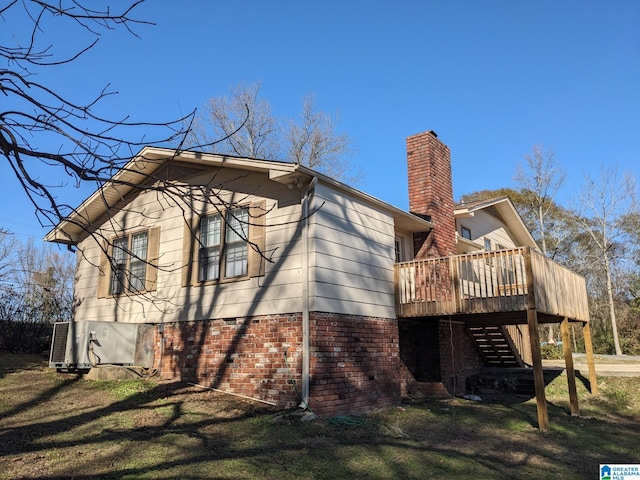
{"points": [[270, 280], [490, 225]]}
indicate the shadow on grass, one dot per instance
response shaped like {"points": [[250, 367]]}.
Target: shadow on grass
{"points": [[504, 437], [12, 362], [585, 381], [447, 438], [23, 436]]}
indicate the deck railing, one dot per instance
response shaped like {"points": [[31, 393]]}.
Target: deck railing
{"points": [[485, 282]]}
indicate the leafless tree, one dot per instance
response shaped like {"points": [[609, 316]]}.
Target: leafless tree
{"points": [[8, 246], [43, 130], [604, 207], [540, 179], [45, 282], [311, 139], [243, 119], [36, 289]]}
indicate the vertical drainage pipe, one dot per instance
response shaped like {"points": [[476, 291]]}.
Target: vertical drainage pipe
{"points": [[305, 294]]}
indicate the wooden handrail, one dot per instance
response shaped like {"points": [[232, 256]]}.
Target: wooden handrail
{"points": [[484, 282]]}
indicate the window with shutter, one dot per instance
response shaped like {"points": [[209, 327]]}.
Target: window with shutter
{"points": [[224, 246], [129, 264]]}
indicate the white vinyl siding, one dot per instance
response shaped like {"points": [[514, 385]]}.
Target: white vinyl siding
{"points": [[351, 258]]}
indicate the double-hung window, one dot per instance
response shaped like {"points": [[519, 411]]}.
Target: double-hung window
{"points": [[401, 250], [210, 246], [129, 263], [223, 247], [236, 248]]}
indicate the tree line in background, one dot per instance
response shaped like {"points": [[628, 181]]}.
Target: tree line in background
{"points": [[596, 234], [36, 290]]}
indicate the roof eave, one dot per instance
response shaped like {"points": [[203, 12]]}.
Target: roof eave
{"points": [[507, 209], [141, 166], [149, 159], [402, 219]]}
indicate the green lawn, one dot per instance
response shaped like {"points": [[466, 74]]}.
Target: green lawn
{"points": [[55, 426]]}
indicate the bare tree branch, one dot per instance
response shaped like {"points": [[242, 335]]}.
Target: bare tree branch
{"points": [[604, 207], [311, 139], [540, 180], [50, 140], [41, 128]]}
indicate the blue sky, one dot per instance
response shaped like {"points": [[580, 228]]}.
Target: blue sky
{"points": [[492, 78]]}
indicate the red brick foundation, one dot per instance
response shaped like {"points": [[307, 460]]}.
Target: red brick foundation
{"points": [[355, 364], [244, 356], [354, 360], [459, 357]]}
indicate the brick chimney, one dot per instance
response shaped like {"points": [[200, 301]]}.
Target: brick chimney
{"points": [[431, 194]]}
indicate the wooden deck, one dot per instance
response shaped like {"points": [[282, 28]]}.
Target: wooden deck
{"points": [[491, 284], [504, 287]]}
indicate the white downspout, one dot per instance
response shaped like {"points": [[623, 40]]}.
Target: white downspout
{"points": [[305, 294]]}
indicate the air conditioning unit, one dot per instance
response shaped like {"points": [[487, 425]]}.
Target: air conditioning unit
{"points": [[83, 345]]}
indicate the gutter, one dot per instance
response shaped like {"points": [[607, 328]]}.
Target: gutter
{"points": [[306, 199]]}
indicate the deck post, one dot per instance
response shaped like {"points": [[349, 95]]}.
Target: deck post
{"points": [[534, 338], [571, 374], [588, 347], [538, 374]]}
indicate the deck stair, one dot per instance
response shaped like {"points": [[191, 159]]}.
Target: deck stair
{"points": [[495, 346]]}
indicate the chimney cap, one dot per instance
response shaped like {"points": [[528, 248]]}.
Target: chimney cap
{"points": [[433, 133]]}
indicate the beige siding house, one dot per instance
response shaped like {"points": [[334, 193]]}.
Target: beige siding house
{"points": [[249, 262], [273, 281]]}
